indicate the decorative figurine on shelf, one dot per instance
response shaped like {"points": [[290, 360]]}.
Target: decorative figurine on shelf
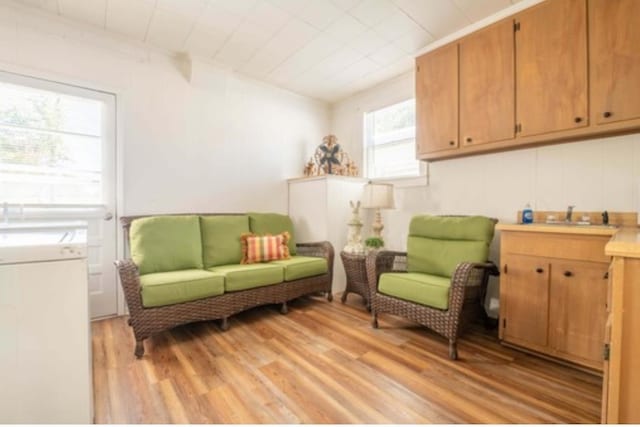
{"points": [[310, 168], [329, 155], [354, 238], [330, 159]]}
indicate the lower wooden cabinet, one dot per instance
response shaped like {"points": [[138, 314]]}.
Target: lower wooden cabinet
{"points": [[621, 382], [552, 298]]}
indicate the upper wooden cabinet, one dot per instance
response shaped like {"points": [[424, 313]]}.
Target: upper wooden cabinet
{"points": [[551, 67], [551, 73], [487, 100], [437, 100], [614, 39]]}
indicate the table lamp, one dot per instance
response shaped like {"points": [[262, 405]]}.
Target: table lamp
{"points": [[377, 196]]}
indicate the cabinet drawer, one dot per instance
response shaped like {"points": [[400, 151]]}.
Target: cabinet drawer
{"points": [[550, 245]]}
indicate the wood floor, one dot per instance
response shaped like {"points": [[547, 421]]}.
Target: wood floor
{"points": [[323, 363]]}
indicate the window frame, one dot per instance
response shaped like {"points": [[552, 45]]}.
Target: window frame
{"points": [[369, 146]]}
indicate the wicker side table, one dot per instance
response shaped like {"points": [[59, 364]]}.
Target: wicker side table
{"points": [[356, 271]]}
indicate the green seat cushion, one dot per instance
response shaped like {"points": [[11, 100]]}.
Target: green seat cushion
{"points": [[436, 245], [166, 243], [247, 276], [273, 223], [425, 289], [174, 287], [221, 239], [299, 267]]}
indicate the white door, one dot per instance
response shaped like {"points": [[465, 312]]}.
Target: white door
{"points": [[57, 163]]}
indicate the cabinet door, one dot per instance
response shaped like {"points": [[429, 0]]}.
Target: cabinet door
{"points": [[525, 293], [487, 103], [437, 100], [577, 309], [614, 35], [551, 67]]}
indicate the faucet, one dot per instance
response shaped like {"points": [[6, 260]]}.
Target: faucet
{"points": [[569, 212]]}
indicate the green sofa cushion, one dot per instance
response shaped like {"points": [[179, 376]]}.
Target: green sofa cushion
{"points": [[166, 243], [273, 223], [174, 287], [247, 276], [436, 245], [425, 289], [221, 238], [299, 267]]}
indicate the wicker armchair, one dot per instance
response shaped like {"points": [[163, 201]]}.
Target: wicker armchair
{"points": [[466, 296]]}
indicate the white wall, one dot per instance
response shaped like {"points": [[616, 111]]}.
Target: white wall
{"points": [[215, 142], [594, 175]]}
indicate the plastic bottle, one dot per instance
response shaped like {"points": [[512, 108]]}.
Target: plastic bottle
{"points": [[527, 214]]}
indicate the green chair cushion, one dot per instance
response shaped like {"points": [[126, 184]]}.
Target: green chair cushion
{"points": [[440, 257], [221, 239], [174, 287], [477, 228], [273, 223], [299, 267], [166, 243], [436, 245], [425, 289], [247, 276]]}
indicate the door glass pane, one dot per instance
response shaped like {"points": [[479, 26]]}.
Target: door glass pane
{"points": [[50, 147]]}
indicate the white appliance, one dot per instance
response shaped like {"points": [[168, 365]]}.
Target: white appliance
{"points": [[45, 354]]}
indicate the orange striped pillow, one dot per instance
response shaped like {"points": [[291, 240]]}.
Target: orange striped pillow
{"points": [[264, 248]]}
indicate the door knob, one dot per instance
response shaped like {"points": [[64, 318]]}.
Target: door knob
{"points": [[108, 216]]}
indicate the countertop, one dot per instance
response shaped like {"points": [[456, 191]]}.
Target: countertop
{"points": [[625, 241]]}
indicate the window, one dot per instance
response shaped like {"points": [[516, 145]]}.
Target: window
{"points": [[390, 141], [50, 147]]}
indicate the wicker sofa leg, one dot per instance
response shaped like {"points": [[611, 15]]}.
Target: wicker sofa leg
{"points": [[329, 296], [374, 320], [453, 350], [284, 309], [225, 324], [139, 351]]}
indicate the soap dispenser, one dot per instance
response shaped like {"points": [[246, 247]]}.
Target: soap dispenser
{"points": [[527, 214]]}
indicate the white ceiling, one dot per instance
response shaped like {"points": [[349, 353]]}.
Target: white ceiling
{"points": [[326, 49]]}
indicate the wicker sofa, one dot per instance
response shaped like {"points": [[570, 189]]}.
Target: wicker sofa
{"points": [[440, 282], [186, 267]]}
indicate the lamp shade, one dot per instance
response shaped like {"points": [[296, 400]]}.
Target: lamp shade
{"points": [[378, 195]]}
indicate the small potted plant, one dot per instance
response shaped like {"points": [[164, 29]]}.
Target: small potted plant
{"points": [[374, 243]]}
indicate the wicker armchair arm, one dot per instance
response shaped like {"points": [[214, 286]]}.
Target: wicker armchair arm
{"points": [[469, 274], [379, 262], [130, 279], [318, 249]]}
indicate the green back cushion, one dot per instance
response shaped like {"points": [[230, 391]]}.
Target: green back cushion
{"points": [[436, 245], [221, 238], [272, 223], [166, 243]]}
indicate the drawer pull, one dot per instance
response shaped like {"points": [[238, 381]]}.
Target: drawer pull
{"points": [[539, 270], [568, 274]]}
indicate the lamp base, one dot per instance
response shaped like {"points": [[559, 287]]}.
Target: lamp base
{"points": [[377, 225]]}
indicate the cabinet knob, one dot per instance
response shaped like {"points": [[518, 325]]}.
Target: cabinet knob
{"points": [[469, 140], [607, 114], [606, 275], [568, 274], [539, 270], [577, 119], [452, 143]]}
